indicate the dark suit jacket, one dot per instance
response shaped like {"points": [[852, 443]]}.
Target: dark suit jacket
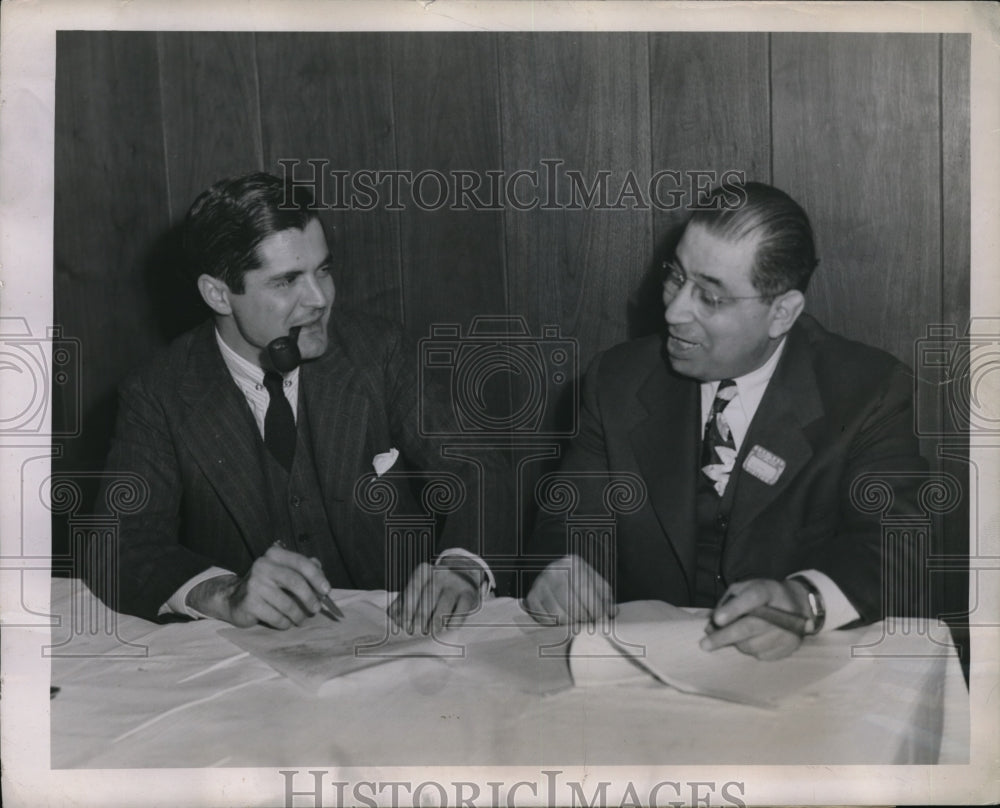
{"points": [[834, 410], [185, 427]]}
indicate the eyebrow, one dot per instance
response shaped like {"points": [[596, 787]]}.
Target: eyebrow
{"points": [[292, 274], [711, 280]]}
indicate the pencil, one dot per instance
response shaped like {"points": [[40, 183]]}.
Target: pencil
{"points": [[325, 599], [334, 610]]}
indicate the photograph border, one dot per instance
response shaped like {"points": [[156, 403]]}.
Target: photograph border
{"points": [[27, 141]]}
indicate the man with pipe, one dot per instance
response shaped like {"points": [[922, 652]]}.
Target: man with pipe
{"points": [[252, 431]]}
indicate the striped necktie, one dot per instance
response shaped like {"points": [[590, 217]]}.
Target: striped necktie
{"points": [[718, 449]]}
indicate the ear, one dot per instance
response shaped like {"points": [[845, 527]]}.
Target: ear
{"points": [[215, 293], [785, 310]]}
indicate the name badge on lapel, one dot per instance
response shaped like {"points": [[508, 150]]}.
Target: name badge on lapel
{"points": [[764, 465]]}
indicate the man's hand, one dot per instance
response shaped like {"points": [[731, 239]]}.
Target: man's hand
{"points": [[571, 591], [444, 592], [733, 625], [282, 589]]}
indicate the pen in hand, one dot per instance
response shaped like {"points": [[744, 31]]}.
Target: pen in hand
{"points": [[330, 607]]}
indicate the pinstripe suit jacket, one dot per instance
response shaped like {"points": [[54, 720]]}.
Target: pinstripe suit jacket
{"points": [[185, 427]]}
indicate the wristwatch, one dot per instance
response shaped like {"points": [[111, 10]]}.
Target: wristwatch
{"points": [[818, 611]]}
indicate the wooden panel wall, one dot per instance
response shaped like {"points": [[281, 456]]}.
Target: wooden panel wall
{"points": [[111, 206], [216, 83], [582, 99], [710, 111], [955, 180], [447, 105], [951, 589], [869, 132], [871, 101], [332, 102]]}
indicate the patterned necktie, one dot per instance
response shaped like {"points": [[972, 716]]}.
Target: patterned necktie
{"points": [[718, 449], [279, 421]]}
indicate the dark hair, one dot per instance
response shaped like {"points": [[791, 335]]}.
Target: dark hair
{"points": [[227, 222], [786, 250]]}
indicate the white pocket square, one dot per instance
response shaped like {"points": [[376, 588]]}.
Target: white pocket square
{"points": [[384, 461]]}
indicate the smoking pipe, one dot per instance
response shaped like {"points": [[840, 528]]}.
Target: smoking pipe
{"points": [[284, 351]]}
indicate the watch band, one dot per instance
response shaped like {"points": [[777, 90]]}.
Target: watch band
{"points": [[816, 606]]}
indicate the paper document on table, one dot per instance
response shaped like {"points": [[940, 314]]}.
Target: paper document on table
{"points": [[663, 640], [499, 644], [322, 649], [506, 647]]}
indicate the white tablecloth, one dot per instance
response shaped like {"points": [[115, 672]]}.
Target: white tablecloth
{"points": [[137, 694]]}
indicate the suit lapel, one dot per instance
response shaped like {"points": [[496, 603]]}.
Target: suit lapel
{"points": [[338, 410], [665, 444], [220, 432], [790, 404]]}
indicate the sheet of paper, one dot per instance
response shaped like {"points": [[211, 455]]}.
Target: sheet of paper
{"points": [[663, 640], [505, 645], [499, 644], [595, 660], [322, 649]]}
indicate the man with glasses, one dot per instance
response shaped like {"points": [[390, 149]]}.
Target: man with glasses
{"points": [[748, 423]]}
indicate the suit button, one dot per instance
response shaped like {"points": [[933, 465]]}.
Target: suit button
{"points": [[296, 501], [722, 521]]}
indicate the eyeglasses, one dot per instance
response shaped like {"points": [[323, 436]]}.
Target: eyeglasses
{"points": [[710, 302]]}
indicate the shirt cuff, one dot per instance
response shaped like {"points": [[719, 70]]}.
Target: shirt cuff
{"points": [[489, 584], [177, 602], [839, 611]]}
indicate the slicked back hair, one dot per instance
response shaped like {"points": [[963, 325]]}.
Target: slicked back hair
{"points": [[228, 221], [786, 250]]}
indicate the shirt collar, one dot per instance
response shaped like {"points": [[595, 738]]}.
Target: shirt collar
{"points": [[244, 372], [750, 386], [763, 374]]}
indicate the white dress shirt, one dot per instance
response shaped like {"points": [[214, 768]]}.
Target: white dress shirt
{"points": [[250, 379], [739, 413]]}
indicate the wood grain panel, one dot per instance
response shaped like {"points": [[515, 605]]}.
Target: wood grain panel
{"points": [[955, 216], [210, 113], [955, 222], [955, 177], [328, 98], [952, 592], [709, 112], [110, 207], [446, 102], [447, 119], [582, 99], [856, 142]]}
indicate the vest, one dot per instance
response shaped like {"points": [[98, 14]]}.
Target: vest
{"points": [[296, 508], [712, 522]]}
